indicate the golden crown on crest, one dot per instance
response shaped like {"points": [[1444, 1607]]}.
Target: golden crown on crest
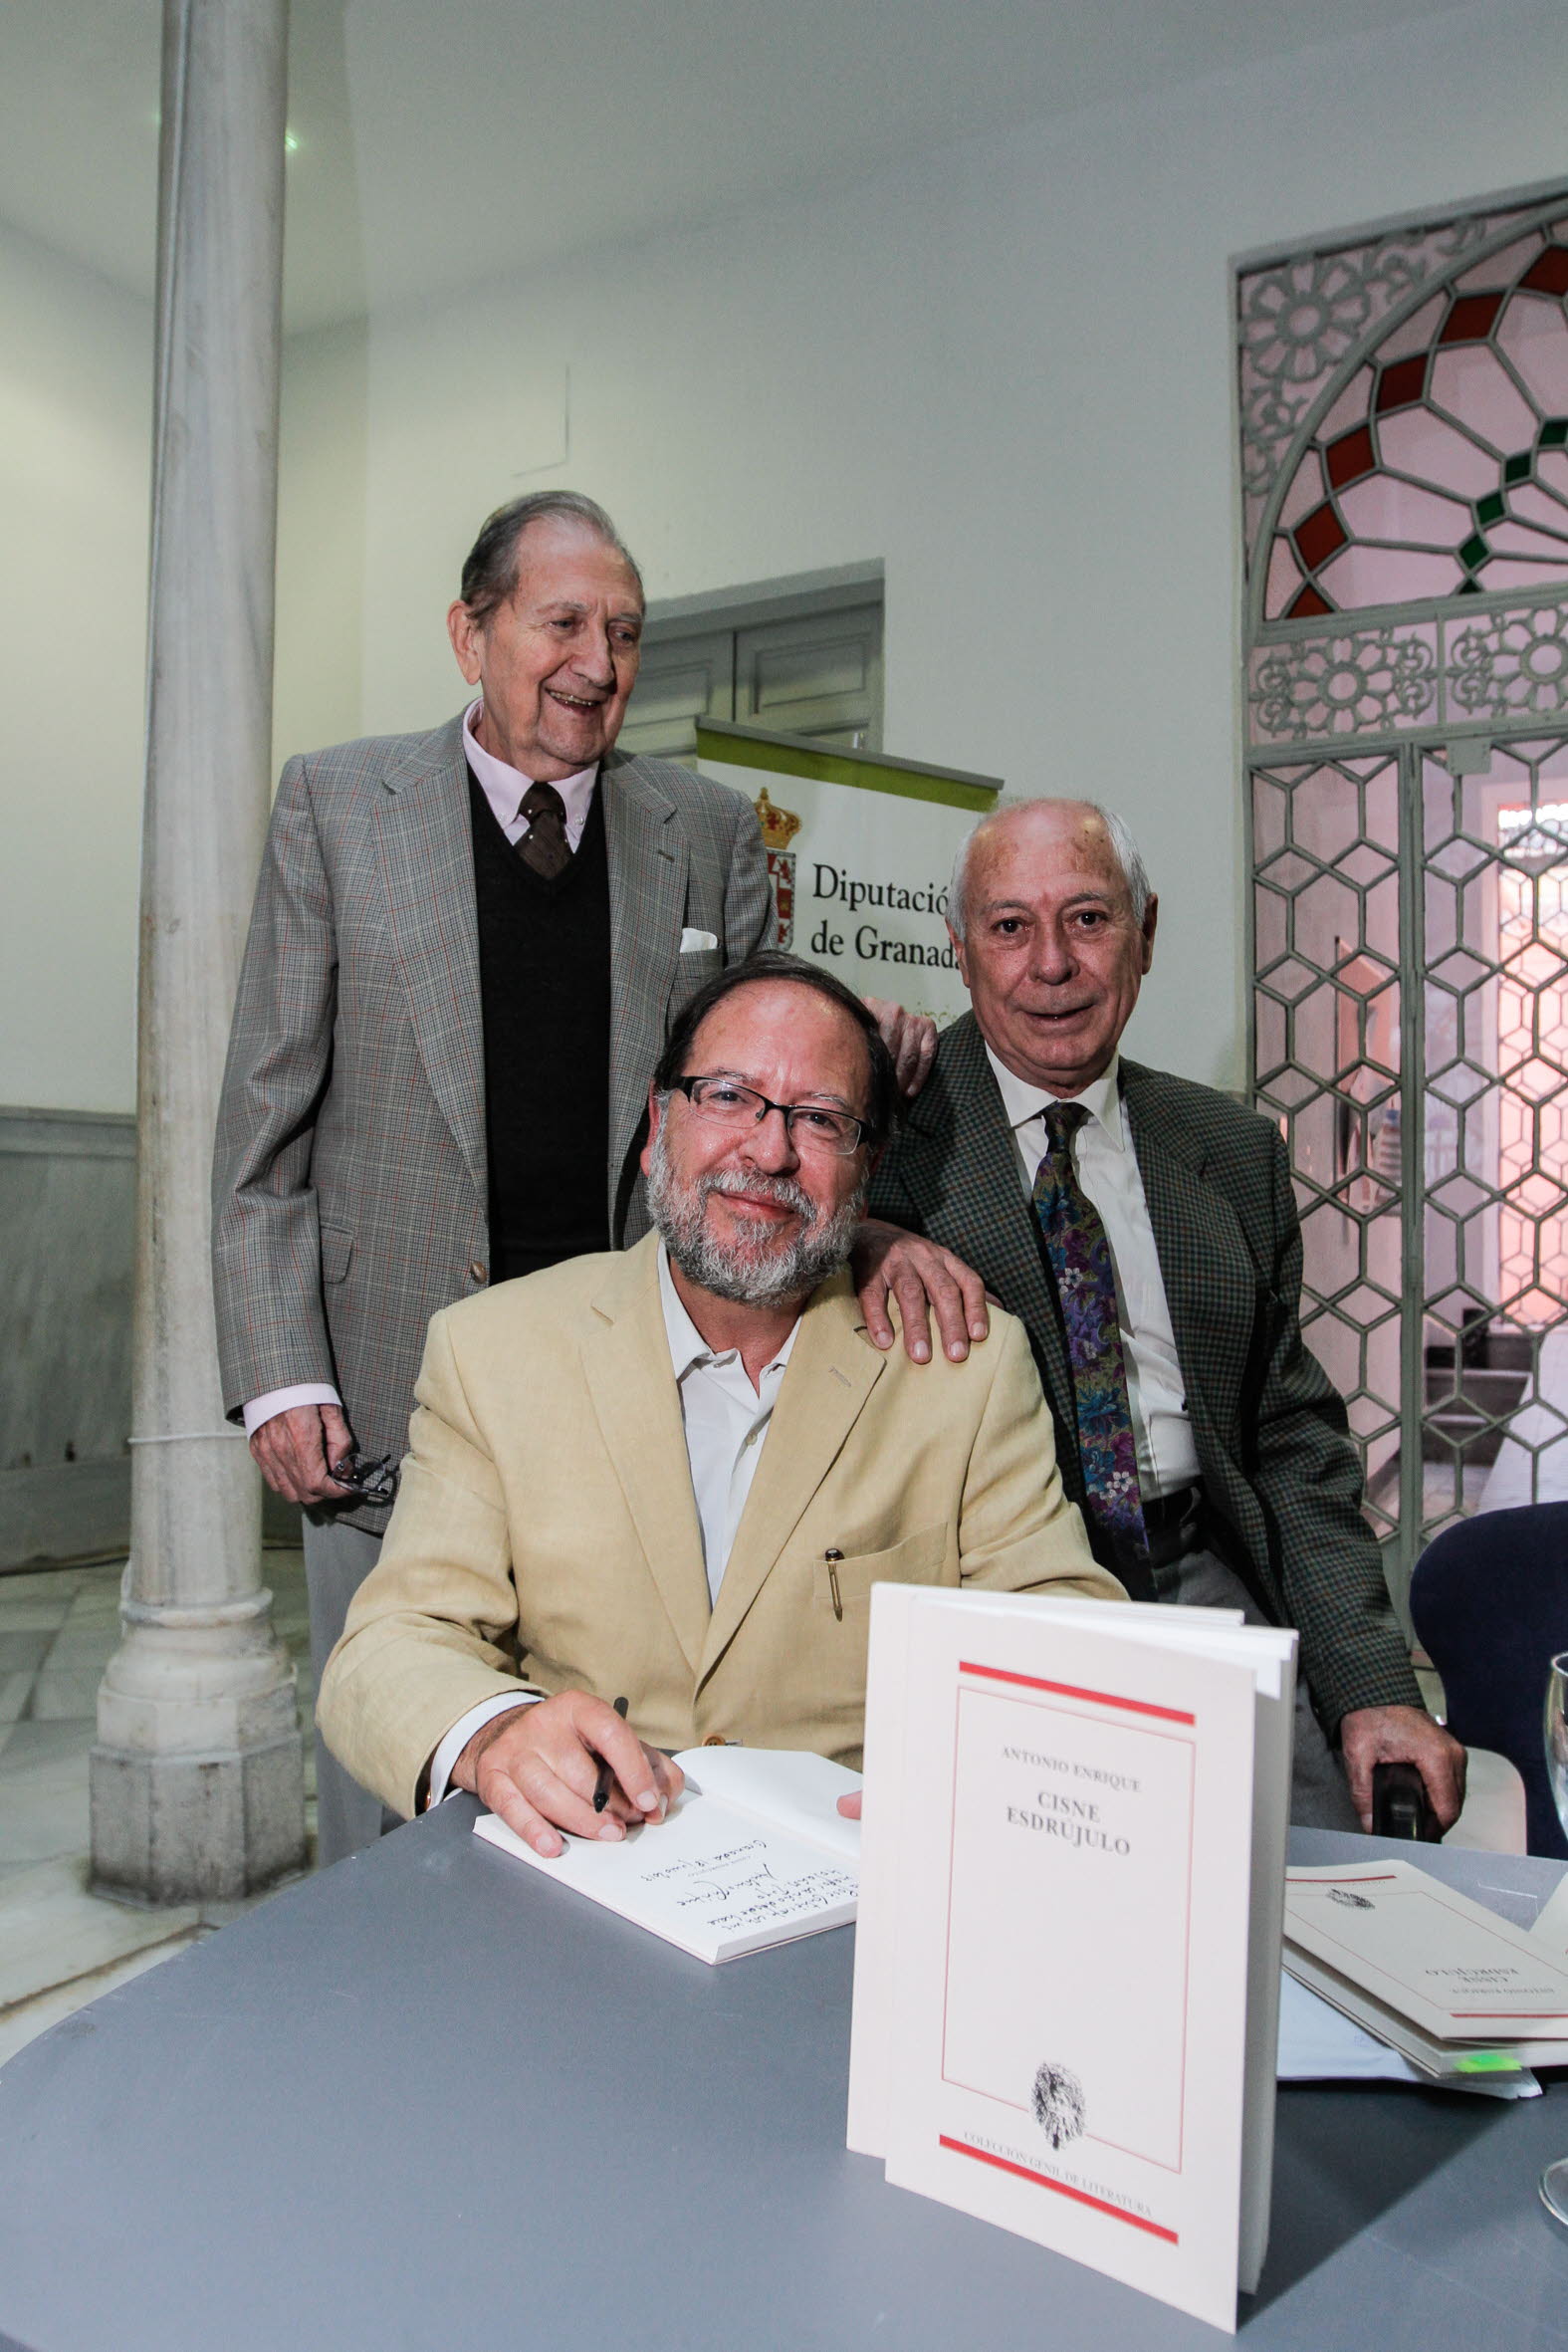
{"points": [[780, 825]]}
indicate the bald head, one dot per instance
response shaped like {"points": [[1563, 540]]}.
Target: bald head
{"points": [[1052, 941], [1117, 832]]}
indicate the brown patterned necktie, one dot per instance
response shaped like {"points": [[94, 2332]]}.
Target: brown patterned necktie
{"points": [[544, 845]]}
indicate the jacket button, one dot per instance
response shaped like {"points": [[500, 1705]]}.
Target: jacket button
{"points": [[715, 1740], [478, 1272]]}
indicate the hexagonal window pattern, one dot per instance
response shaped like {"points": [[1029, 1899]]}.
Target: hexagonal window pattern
{"points": [[1287, 871], [1460, 1084], [1468, 1147], [1287, 979], [1365, 864], [1534, 1080], [1460, 971]]}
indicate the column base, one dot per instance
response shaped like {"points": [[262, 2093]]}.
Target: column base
{"points": [[191, 1828]]}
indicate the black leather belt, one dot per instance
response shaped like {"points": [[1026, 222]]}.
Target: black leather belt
{"points": [[1172, 1526], [1161, 1512]]}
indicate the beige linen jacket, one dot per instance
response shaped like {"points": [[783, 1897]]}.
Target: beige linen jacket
{"points": [[546, 1529]]}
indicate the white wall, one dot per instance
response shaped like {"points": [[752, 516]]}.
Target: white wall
{"points": [[1004, 369], [319, 683], [1007, 371], [76, 386]]}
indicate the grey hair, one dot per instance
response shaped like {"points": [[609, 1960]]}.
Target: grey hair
{"points": [[1119, 832], [490, 571]]}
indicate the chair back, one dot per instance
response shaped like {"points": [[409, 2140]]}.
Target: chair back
{"points": [[1489, 1603]]}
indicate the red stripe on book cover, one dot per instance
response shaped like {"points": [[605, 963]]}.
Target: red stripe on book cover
{"points": [[1067, 1689], [1347, 1878], [1003, 2164]]}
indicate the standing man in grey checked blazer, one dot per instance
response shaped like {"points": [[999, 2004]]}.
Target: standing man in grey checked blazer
{"points": [[1037, 1163], [466, 949]]}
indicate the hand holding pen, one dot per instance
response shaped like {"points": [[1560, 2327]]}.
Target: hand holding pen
{"points": [[601, 1787], [573, 1763]]}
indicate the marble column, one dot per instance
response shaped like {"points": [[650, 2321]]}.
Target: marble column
{"points": [[196, 1778]]}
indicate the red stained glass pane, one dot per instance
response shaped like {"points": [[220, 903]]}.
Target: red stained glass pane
{"points": [[1403, 384], [1350, 457], [1309, 606], [1319, 535], [1549, 275], [1470, 317]]}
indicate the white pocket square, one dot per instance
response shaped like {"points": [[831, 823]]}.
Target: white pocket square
{"points": [[693, 941]]}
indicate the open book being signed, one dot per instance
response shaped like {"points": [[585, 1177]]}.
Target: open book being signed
{"points": [[752, 1852]]}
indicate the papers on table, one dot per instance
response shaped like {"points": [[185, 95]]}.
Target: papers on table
{"points": [[1067, 1974], [1470, 2000], [1427, 1951], [754, 1853], [1551, 1924], [1320, 2043]]}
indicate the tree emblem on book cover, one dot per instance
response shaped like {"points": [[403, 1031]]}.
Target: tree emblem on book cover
{"points": [[1058, 2103], [780, 826]]}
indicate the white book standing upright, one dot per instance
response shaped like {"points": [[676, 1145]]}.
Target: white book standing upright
{"points": [[1067, 1963]]}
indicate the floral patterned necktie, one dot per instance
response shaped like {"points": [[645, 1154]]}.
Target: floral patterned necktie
{"points": [[1080, 1258]]}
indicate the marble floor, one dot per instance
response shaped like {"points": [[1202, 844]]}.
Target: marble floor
{"points": [[60, 1945]]}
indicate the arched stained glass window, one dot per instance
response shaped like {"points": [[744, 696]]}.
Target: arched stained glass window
{"points": [[1440, 468], [1404, 410]]}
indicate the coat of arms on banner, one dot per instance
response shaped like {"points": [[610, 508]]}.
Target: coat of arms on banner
{"points": [[780, 826]]}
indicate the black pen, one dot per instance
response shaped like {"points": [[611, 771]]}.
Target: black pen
{"points": [[601, 1787]]}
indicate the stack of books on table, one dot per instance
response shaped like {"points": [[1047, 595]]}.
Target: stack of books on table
{"points": [[1471, 2001], [1068, 1969]]}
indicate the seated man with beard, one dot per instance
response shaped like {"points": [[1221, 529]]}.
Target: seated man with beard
{"points": [[674, 1474]]}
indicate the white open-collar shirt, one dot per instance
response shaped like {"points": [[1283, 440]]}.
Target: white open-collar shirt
{"points": [[725, 1421], [1106, 1167]]}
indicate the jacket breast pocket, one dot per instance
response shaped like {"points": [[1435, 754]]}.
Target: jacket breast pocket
{"points": [[337, 1250], [844, 1584], [693, 971]]}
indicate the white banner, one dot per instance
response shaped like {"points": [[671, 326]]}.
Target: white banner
{"points": [[859, 850]]}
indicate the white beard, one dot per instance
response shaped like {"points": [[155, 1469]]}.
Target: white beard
{"points": [[747, 1272]]}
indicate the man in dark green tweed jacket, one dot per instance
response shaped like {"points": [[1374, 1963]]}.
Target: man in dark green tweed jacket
{"points": [[1224, 1470]]}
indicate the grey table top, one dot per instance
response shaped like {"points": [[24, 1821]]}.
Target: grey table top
{"points": [[430, 2101]]}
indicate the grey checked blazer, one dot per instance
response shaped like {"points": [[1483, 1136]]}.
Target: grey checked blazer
{"points": [[349, 1183], [1281, 1478]]}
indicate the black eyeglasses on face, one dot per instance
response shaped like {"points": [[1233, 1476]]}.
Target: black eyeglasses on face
{"points": [[811, 1127]]}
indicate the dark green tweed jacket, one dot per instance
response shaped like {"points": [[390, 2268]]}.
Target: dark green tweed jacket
{"points": [[1281, 1478]]}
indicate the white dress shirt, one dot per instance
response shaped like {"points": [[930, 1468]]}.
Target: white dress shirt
{"points": [[725, 1421], [506, 788], [503, 788], [1106, 1167]]}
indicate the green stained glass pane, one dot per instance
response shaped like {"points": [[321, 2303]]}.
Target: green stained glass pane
{"points": [[1467, 587], [1492, 509], [1473, 552], [1554, 433], [1518, 468]]}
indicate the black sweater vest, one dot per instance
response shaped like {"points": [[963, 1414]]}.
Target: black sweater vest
{"points": [[545, 997]]}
